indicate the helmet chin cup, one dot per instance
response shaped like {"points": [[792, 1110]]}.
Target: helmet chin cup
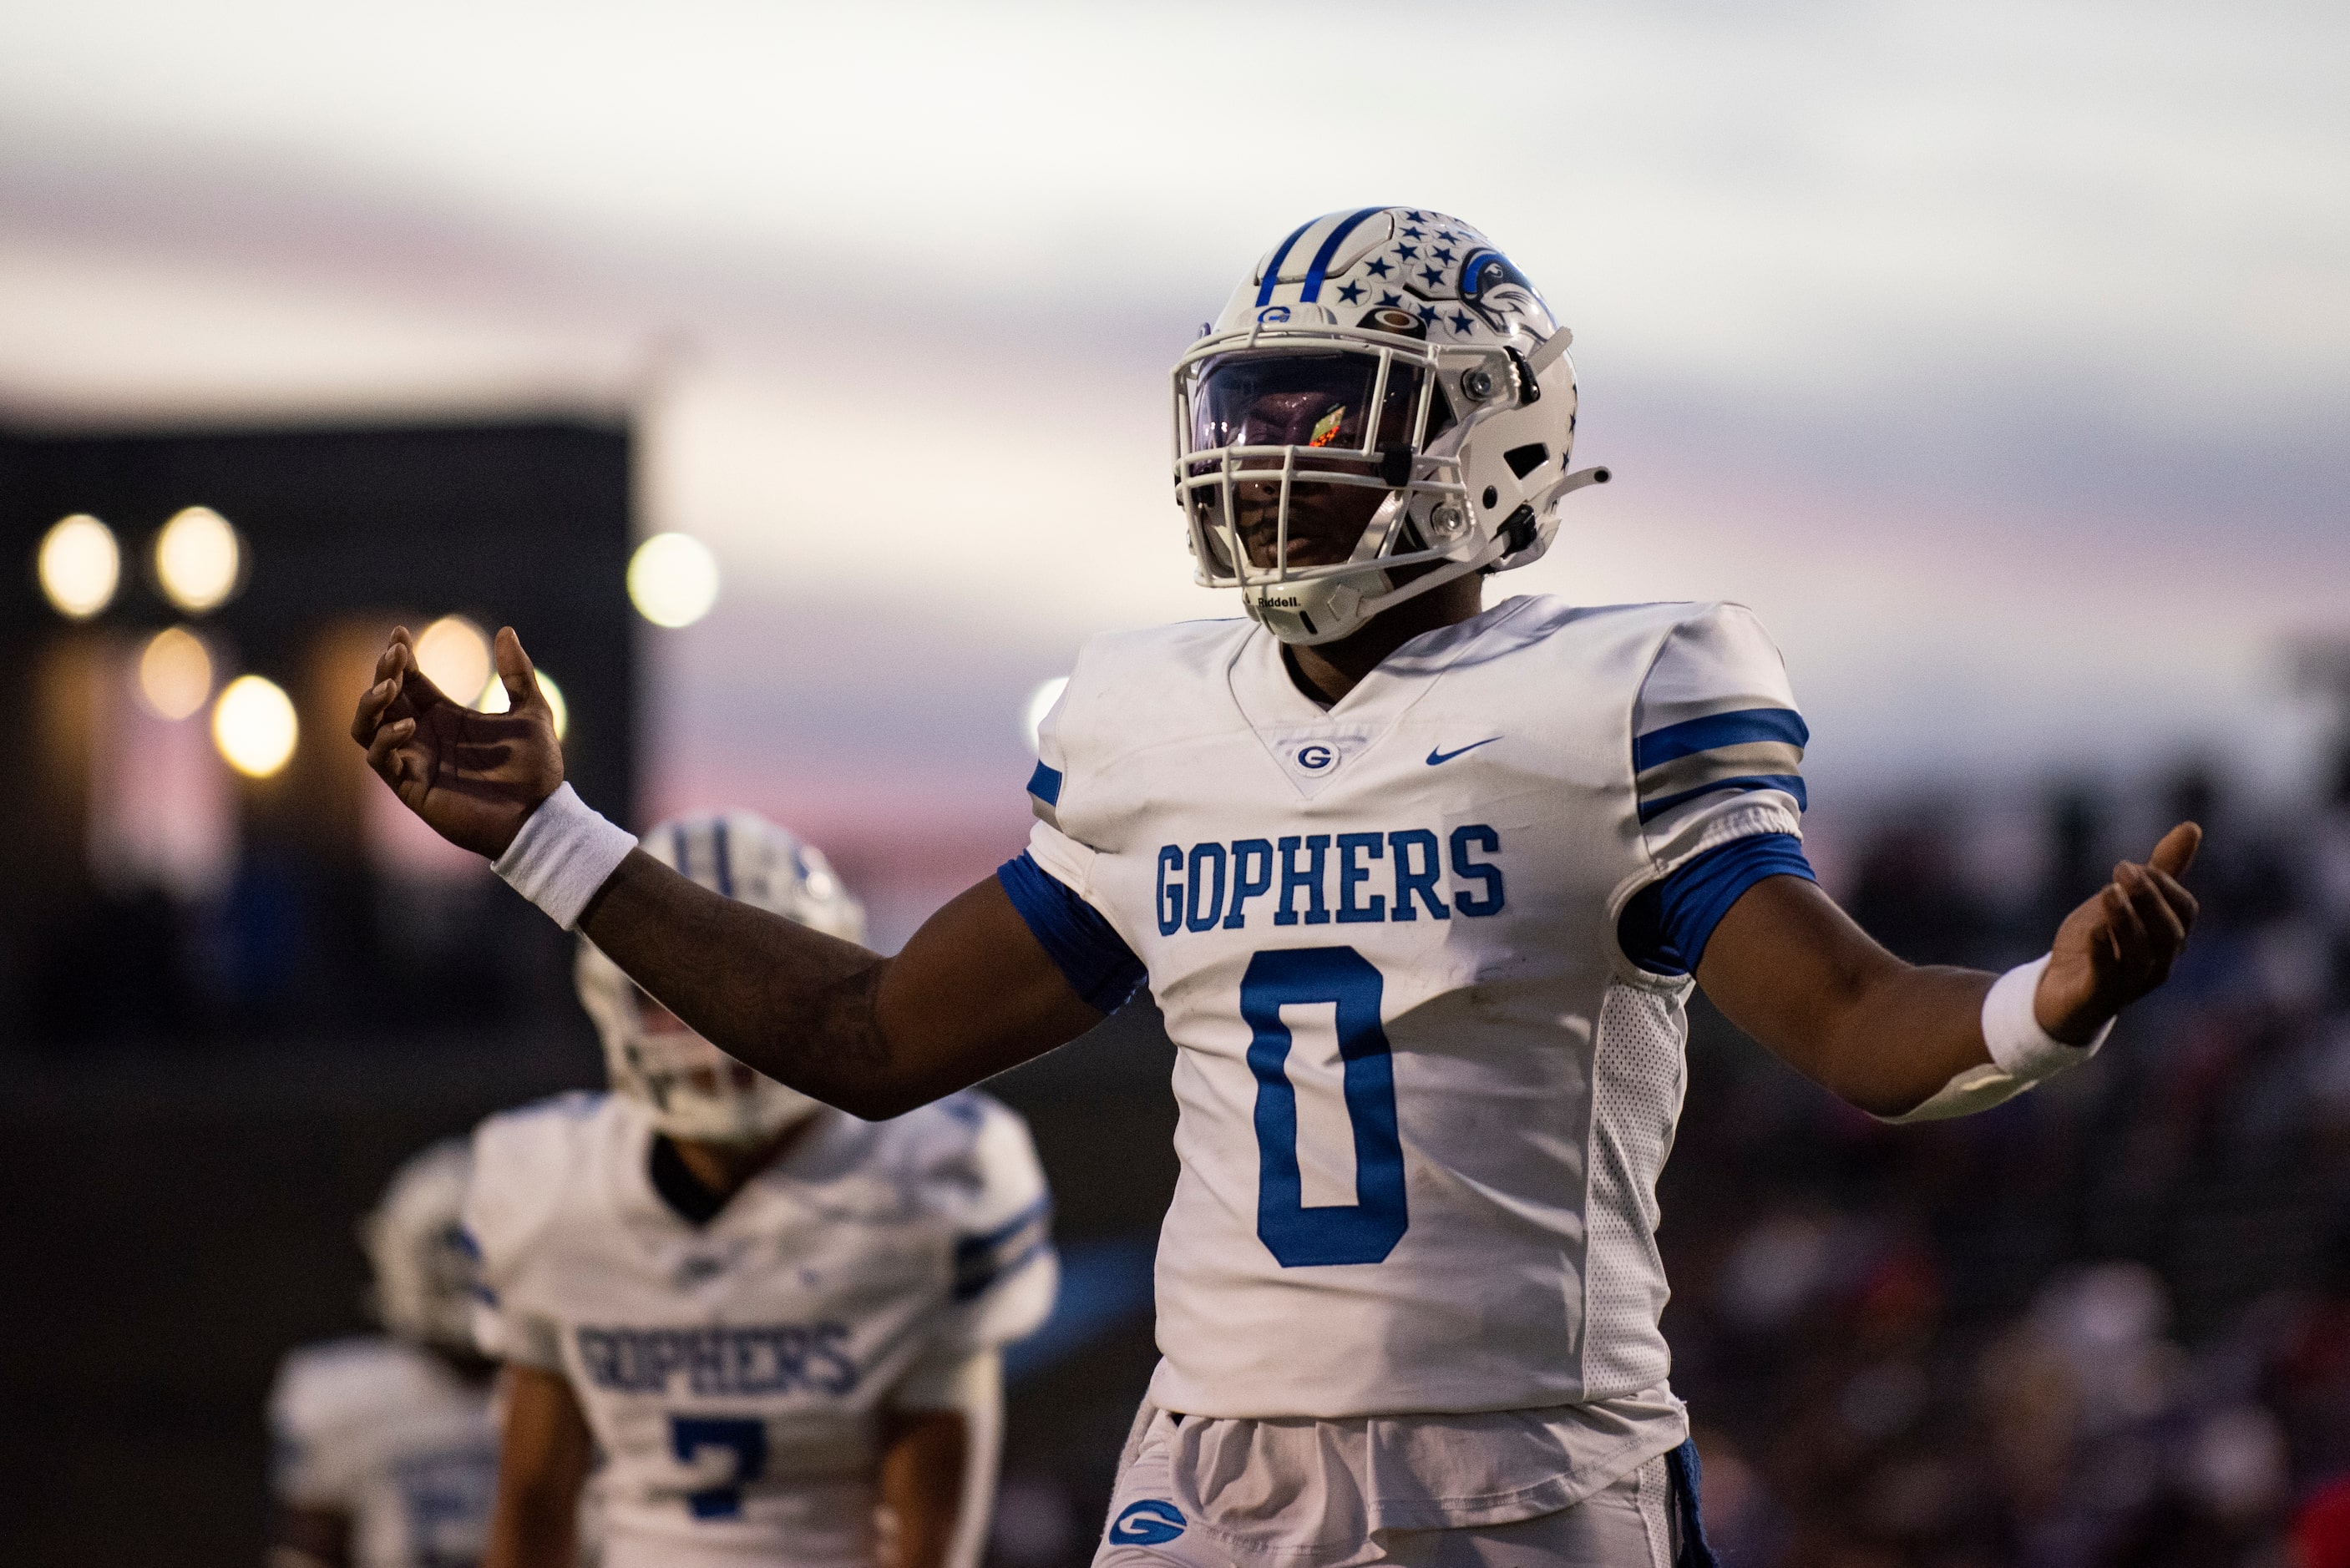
{"points": [[1315, 610]]}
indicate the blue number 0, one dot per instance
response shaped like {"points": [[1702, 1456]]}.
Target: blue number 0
{"points": [[747, 1440], [1367, 1230]]}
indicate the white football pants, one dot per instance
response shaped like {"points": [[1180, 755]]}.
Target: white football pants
{"points": [[1627, 1526]]}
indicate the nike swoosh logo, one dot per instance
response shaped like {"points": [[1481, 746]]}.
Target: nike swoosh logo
{"points": [[1436, 757]]}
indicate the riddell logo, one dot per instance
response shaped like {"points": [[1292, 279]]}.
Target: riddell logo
{"points": [[1279, 604]]}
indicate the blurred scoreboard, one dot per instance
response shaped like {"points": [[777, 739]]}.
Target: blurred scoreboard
{"points": [[194, 847]]}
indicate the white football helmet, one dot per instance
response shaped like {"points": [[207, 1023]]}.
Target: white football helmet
{"points": [[1384, 406], [694, 1090], [416, 1248]]}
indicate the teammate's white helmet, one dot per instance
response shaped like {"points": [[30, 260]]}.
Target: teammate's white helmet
{"points": [[416, 1248], [694, 1090], [1385, 392]]}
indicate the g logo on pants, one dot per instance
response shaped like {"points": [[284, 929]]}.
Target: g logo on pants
{"points": [[1149, 1523]]}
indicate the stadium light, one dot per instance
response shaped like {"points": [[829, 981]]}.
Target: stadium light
{"points": [[79, 566], [1040, 702], [197, 559], [493, 699], [175, 673], [255, 727], [454, 655], [673, 579]]}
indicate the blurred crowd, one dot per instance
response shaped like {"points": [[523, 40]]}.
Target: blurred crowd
{"points": [[2107, 1325]]}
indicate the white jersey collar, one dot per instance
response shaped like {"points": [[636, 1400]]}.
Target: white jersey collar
{"points": [[1313, 745]]}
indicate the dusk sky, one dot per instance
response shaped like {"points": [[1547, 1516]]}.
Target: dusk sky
{"points": [[1998, 354]]}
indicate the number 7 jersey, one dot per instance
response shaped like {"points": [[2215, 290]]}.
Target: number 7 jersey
{"points": [[1424, 1093]]}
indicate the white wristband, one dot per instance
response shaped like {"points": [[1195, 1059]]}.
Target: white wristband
{"points": [[565, 851], [2019, 1046]]}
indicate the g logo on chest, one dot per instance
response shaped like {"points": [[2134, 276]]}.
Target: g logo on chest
{"points": [[1315, 758]]}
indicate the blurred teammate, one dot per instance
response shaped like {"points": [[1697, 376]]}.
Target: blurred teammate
{"points": [[1421, 886], [386, 1451], [778, 1324]]}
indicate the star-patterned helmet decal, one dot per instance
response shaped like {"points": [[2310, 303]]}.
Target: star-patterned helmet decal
{"points": [[1442, 270]]}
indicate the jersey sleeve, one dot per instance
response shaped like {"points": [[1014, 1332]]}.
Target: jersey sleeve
{"points": [[1717, 742], [1006, 1271], [1086, 948], [310, 1462], [1717, 762], [519, 1166], [1050, 884]]}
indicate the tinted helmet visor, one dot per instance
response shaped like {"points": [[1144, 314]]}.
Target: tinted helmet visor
{"points": [[1311, 413]]}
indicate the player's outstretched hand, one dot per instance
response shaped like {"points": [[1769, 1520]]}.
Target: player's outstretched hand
{"points": [[473, 778], [2120, 944]]}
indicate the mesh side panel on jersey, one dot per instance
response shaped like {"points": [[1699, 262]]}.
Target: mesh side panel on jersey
{"points": [[1637, 1078]]}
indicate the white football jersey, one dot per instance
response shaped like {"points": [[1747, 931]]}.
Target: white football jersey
{"points": [[1424, 1095], [391, 1437], [734, 1373]]}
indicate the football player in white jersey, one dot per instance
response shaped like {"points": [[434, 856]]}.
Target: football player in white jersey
{"points": [[386, 1454], [778, 1324], [1420, 885]]}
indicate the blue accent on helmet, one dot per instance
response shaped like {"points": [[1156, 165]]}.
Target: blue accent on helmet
{"points": [[1320, 265], [1044, 783], [717, 849], [1273, 267]]}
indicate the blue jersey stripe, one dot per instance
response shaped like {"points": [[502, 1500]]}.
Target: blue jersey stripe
{"points": [[980, 1261], [1044, 783], [979, 1282], [1694, 735], [1273, 267], [1040, 1210], [1320, 265], [1088, 950], [1666, 926], [1652, 809]]}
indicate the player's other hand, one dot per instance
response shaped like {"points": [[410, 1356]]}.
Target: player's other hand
{"points": [[473, 778], [2120, 944]]}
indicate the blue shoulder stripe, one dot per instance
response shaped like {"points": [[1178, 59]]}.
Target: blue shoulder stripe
{"points": [[980, 1261], [1652, 809], [1320, 265], [1692, 737], [1044, 783], [1273, 267]]}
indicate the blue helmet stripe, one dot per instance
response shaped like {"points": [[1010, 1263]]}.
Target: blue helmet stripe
{"points": [[718, 848], [1321, 264], [1273, 267]]}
